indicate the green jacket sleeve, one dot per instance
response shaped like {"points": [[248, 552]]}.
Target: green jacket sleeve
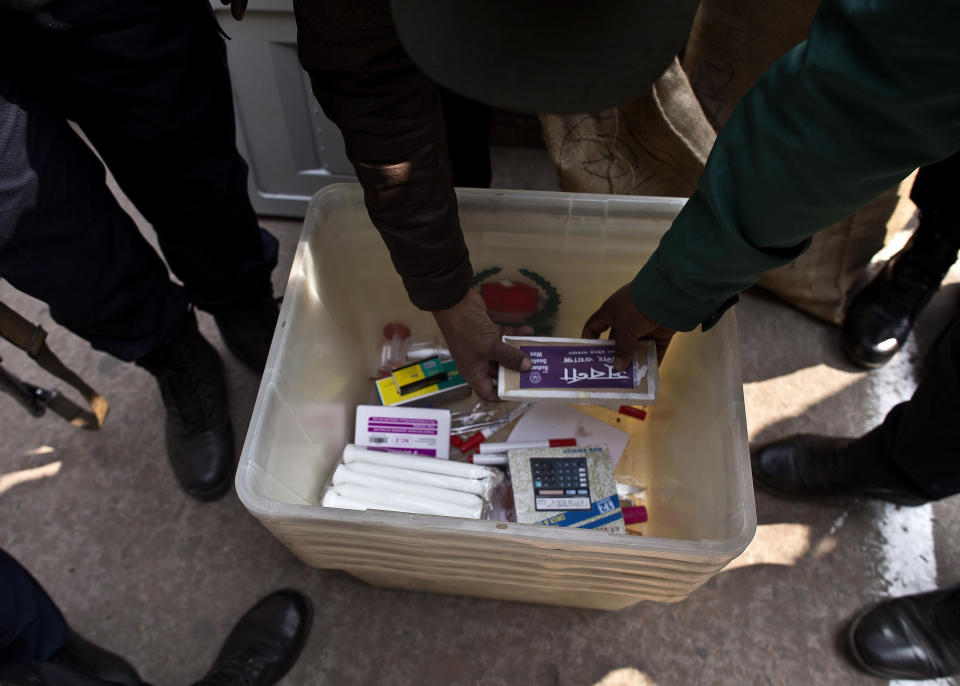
{"points": [[872, 94]]}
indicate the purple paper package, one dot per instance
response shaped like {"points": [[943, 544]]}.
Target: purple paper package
{"points": [[580, 370]]}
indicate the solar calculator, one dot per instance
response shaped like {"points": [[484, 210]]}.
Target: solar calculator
{"points": [[560, 483]]}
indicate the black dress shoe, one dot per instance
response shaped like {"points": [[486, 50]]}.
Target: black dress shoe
{"points": [[881, 316], [811, 466], [198, 432], [914, 637], [247, 327], [265, 643]]}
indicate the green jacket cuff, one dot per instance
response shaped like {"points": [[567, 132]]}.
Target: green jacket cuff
{"points": [[667, 305]]}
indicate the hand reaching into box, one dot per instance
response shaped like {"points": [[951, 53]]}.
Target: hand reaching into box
{"points": [[627, 324], [475, 345]]}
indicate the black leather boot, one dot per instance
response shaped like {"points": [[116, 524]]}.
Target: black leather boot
{"points": [[247, 327], [198, 431], [881, 316], [265, 643], [914, 637], [810, 466]]}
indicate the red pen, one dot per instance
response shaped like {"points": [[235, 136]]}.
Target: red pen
{"points": [[476, 439]]}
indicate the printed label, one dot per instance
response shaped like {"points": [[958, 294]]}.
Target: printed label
{"points": [[396, 425], [403, 434], [602, 513], [551, 504], [581, 367]]}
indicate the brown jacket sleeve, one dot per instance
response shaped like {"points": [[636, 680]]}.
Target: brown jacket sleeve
{"points": [[390, 115]]}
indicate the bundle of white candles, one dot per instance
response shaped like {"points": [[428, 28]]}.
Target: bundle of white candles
{"points": [[398, 482]]}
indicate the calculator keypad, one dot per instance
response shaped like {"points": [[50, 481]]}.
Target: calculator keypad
{"points": [[560, 483]]}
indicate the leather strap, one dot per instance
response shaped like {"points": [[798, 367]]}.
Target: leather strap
{"points": [[32, 339]]}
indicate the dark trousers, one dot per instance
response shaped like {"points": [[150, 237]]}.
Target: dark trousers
{"points": [[31, 626], [934, 185], [148, 85], [922, 436]]}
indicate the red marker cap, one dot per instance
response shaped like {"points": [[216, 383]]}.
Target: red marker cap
{"points": [[456, 441], [396, 329], [472, 442], [634, 515], [562, 442], [633, 412]]}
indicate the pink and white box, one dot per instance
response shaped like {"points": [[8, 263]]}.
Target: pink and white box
{"points": [[414, 430]]}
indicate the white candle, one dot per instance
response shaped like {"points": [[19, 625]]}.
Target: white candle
{"points": [[353, 453], [406, 503], [344, 475]]}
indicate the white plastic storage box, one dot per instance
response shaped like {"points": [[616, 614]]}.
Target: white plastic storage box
{"points": [[343, 289]]}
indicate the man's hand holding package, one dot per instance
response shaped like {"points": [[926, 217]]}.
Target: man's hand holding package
{"points": [[627, 324], [475, 344]]}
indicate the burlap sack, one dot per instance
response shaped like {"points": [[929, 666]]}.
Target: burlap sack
{"points": [[657, 145], [732, 42]]}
